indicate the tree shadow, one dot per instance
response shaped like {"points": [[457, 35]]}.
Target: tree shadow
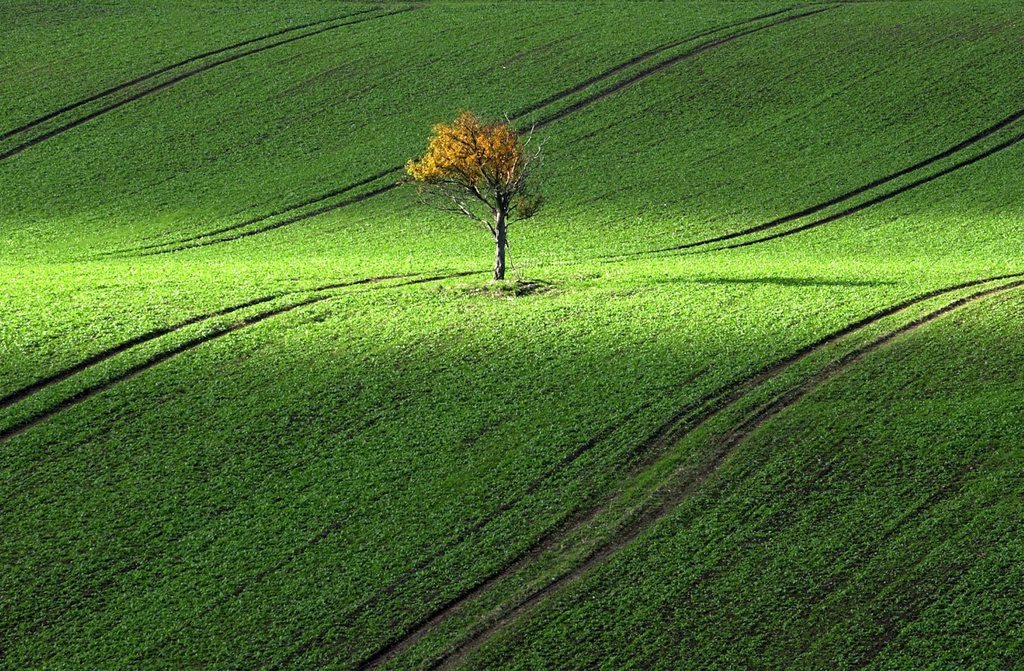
{"points": [[507, 288], [517, 288]]}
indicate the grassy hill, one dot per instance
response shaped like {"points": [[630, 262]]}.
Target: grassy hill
{"points": [[755, 405]]}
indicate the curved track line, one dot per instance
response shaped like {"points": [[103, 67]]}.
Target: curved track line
{"points": [[677, 426], [185, 75], [672, 497], [546, 102], [974, 139], [575, 107], [167, 68], [395, 169], [256, 220], [109, 582], [61, 375], [668, 63], [99, 357], [876, 200], [285, 222], [384, 592], [88, 392], [636, 60]]}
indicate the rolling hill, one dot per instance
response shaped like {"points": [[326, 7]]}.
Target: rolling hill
{"points": [[754, 404]]}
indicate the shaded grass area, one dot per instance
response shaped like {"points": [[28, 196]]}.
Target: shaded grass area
{"points": [[856, 530], [59, 53]]}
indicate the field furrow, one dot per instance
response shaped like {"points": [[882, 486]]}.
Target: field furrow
{"points": [[165, 69], [687, 420], [664, 500], [954, 150], [668, 63], [176, 78], [210, 237], [318, 295], [1007, 144]]}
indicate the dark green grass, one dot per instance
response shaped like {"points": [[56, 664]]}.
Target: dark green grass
{"points": [[58, 53], [307, 479], [871, 533]]}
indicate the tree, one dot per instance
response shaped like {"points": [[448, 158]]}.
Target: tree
{"points": [[479, 170]]}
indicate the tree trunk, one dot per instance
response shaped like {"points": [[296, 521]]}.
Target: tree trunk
{"points": [[501, 232]]}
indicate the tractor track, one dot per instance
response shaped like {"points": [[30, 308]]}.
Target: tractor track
{"points": [[674, 429], [199, 239], [155, 88], [90, 391], [673, 495], [877, 199], [814, 209], [110, 352], [844, 575], [636, 60], [668, 63], [581, 518], [167, 68], [788, 121], [461, 538], [285, 222], [331, 528], [679, 424], [389, 650], [645, 520], [183, 242], [396, 169]]}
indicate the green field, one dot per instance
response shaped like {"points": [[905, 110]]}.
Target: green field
{"points": [[755, 402]]}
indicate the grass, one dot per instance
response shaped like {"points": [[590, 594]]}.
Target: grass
{"points": [[333, 444]]}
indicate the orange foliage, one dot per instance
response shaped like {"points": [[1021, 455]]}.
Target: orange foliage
{"points": [[471, 153]]}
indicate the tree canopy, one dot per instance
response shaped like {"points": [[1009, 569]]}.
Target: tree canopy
{"points": [[480, 170]]}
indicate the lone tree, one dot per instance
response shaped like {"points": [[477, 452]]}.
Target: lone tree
{"points": [[479, 170]]}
